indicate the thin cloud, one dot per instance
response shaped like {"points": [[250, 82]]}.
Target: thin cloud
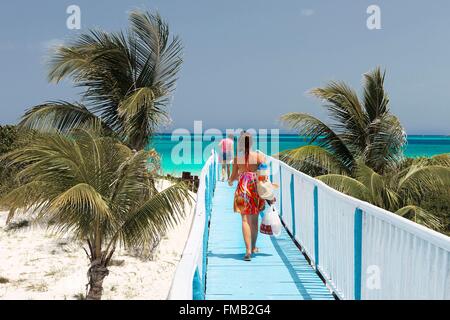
{"points": [[307, 12], [52, 44]]}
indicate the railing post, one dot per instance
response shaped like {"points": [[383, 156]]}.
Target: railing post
{"points": [[293, 204], [214, 170], [358, 252], [216, 173], [281, 192], [211, 181], [271, 171], [316, 226], [206, 195], [198, 292]]}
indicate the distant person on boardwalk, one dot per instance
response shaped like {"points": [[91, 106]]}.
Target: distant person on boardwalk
{"points": [[247, 201], [226, 155]]}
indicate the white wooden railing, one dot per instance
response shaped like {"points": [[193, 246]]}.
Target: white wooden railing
{"points": [[362, 251], [190, 276]]}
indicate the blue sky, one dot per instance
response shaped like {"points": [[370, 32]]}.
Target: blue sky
{"points": [[248, 62]]}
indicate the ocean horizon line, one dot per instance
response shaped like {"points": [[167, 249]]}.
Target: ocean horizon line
{"points": [[296, 135]]}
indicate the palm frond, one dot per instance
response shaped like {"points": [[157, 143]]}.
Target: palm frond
{"points": [[321, 134], [385, 143], [383, 194], [359, 130], [344, 107], [313, 159], [347, 185], [441, 160], [60, 116], [160, 57], [142, 113], [128, 79], [82, 198], [421, 216], [132, 182], [376, 100], [419, 180], [24, 197], [155, 216], [95, 188]]}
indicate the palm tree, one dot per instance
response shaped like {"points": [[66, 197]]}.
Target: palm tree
{"points": [[362, 129], [97, 189], [127, 80], [402, 190]]}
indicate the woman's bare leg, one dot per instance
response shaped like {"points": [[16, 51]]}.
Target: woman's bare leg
{"points": [[247, 233], [254, 226], [223, 171]]}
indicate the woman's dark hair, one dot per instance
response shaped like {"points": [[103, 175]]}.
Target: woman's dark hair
{"points": [[247, 149]]}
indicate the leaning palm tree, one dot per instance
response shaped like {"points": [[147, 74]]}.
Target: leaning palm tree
{"points": [[400, 190], [362, 129], [127, 80], [96, 188]]}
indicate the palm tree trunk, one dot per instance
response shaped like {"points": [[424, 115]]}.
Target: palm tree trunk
{"points": [[96, 274]]}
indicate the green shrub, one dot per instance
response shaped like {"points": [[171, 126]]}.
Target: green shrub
{"points": [[8, 142], [439, 204], [8, 138]]}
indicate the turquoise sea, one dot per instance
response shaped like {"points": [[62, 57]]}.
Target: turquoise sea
{"points": [[190, 149]]}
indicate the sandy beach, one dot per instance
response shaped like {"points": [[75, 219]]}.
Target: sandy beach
{"points": [[37, 264]]}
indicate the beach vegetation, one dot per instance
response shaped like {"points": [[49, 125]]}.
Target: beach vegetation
{"points": [[79, 296], [97, 189], [403, 190], [361, 129], [11, 137], [8, 141], [361, 154], [38, 287], [127, 80], [8, 138]]}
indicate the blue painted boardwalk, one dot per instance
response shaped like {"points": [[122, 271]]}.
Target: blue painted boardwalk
{"points": [[280, 271]]}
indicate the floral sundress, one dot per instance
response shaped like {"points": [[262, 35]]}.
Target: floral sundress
{"points": [[246, 198]]}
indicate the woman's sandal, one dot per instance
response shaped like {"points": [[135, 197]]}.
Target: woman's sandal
{"points": [[248, 257], [255, 250]]}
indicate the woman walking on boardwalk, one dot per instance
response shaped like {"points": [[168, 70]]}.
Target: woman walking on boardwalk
{"points": [[247, 202], [226, 155]]}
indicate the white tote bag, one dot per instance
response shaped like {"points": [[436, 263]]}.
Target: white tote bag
{"points": [[271, 223]]}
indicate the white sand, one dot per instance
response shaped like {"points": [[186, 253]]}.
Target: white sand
{"points": [[38, 265]]}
